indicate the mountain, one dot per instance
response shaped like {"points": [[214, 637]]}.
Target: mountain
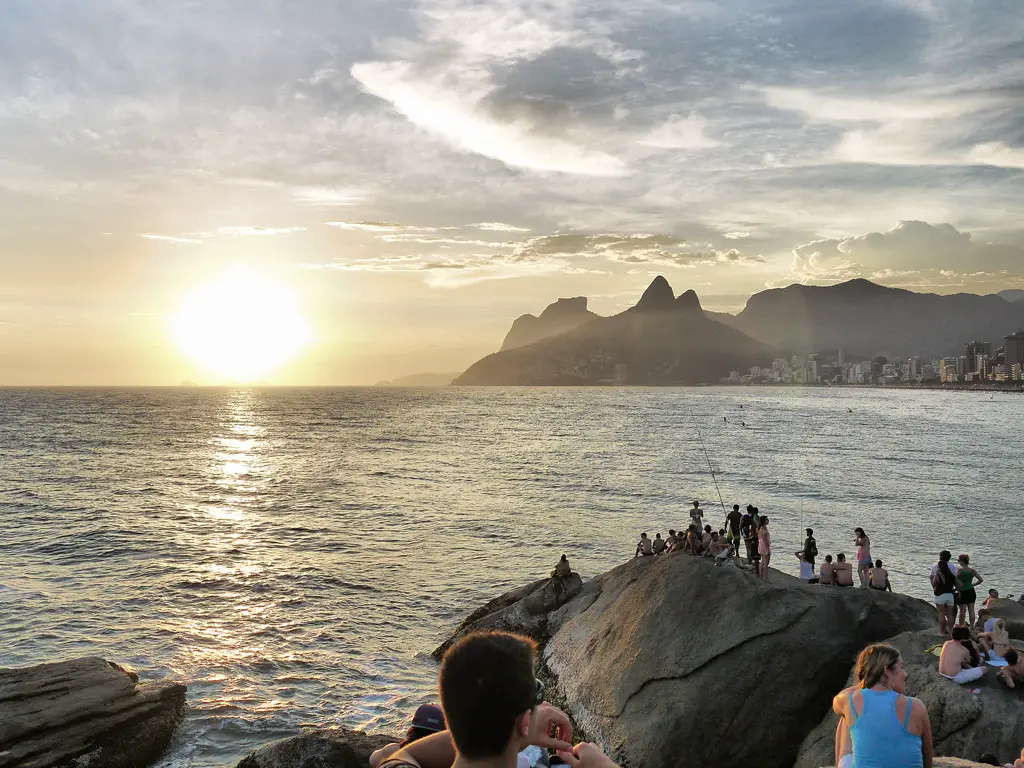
{"points": [[420, 380], [1014, 295], [562, 316], [863, 318], [664, 339]]}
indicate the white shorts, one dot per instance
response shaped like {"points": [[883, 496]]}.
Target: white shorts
{"points": [[946, 598], [967, 675]]}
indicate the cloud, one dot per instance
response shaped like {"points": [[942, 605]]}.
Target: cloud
{"points": [[173, 239], [680, 133], [663, 250], [328, 197], [911, 247], [257, 231], [497, 226], [366, 226]]}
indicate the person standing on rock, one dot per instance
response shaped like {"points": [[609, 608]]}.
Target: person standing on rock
{"points": [[967, 579], [494, 708], [749, 533], [764, 546], [863, 555], [887, 728], [697, 515], [943, 578], [732, 527]]}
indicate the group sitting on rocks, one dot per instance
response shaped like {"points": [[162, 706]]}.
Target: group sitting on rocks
{"points": [[496, 714]]}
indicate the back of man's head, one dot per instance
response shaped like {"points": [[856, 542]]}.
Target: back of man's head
{"points": [[486, 683], [1011, 657]]}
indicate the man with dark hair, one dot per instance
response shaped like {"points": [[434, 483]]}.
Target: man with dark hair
{"points": [[494, 708], [1013, 672]]}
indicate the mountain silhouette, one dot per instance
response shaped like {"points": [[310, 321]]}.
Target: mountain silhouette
{"points": [[864, 318], [662, 340], [562, 316]]}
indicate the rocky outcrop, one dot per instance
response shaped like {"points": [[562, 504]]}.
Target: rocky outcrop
{"points": [[1009, 611], [564, 315], [87, 712], [523, 610], [659, 649], [963, 724], [329, 748]]}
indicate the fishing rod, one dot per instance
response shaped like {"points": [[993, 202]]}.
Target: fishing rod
{"points": [[708, 458]]}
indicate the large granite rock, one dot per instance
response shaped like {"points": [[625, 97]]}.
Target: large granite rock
{"points": [[963, 724], [523, 610], [1009, 611], [329, 748], [673, 662], [84, 712]]}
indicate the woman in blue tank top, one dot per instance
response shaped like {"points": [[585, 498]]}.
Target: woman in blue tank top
{"points": [[886, 728]]}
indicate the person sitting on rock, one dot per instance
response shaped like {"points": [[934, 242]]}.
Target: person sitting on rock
{"points": [[959, 661], [826, 574], [720, 549], [1013, 673], [996, 642], [878, 577], [670, 542], [886, 727], [563, 570], [843, 573], [705, 541], [495, 708], [643, 547], [428, 719], [993, 595], [658, 545], [694, 541]]}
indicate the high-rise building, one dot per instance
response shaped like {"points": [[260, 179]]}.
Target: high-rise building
{"points": [[1014, 345], [914, 369], [947, 369], [971, 351]]}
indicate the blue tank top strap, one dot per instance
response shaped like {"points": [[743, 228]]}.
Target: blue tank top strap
{"points": [[906, 718]]}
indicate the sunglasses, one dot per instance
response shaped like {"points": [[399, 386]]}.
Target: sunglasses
{"points": [[538, 698]]}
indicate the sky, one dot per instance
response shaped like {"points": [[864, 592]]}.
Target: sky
{"points": [[421, 172]]}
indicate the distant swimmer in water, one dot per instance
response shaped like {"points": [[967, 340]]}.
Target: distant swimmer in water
{"points": [[725, 420], [743, 423]]}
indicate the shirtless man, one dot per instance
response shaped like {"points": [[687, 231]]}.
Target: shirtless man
{"points": [[705, 540], [956, 661], [720, 549], [658, 545], [878, 577], [1013, 672], [643, 547], [732, 525], [826, 574], [843, 571]]}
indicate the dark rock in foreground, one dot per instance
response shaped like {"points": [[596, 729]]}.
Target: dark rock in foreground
{"points": [[84, 712], [963, 724], [660, 649], [524, 610], [329, 748]]}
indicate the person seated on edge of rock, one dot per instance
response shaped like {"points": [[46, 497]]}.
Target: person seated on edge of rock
{"points": [[720, 549], [887, 728], [996, 642], [428, 719], [658, 545], [563, 569], [806, 568], [643, 547], [993, 595], [959, 661], [878, 577], [842, 574], [705, 541], [495, 708], [826, 574], [670, 542], [1013, 672]]}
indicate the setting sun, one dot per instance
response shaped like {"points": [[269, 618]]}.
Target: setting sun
{"points": [[241, 327]]}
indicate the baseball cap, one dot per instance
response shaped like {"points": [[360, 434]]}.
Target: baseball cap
{"points": [[429, 717]]}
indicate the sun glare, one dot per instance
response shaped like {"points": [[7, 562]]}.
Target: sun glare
{"points": [[241, 327]]}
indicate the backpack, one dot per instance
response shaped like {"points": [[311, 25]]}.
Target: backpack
{"points": [[942, 583]]}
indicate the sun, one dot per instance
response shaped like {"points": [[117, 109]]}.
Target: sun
{"points": [[241, 327]]}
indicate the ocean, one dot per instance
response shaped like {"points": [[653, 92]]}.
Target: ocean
{"points": [[294, 555]]}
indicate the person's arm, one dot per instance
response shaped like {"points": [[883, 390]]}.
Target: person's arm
{"points": [[980, 581], [927, 749], [586, 756], [888, 586], [434, 751], [380, 755]]}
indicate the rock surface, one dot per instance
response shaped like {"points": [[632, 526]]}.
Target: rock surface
{"points": [[329, 748], [87, 712], [523, 610], [963, 724], [659, 649]]}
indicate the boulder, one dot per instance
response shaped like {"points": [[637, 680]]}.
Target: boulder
{"points": [[524, 610], [963, 724], [87, 712], [1009, 611], [329, 748]]}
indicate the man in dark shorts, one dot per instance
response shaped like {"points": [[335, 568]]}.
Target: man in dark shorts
{"points": [[749, 533], [494, 708], [732, 528]]}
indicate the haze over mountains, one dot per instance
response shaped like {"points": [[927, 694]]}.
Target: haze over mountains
{"points": [[670, 340]]}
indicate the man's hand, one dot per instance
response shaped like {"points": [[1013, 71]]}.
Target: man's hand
{"points": [[586, 755], [550, 728]]}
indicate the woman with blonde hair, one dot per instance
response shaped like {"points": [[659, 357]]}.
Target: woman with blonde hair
{"points": [[886, 728], [997, 642]]}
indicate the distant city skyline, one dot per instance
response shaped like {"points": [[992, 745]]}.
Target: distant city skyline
{"points": [[414, 174]]}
